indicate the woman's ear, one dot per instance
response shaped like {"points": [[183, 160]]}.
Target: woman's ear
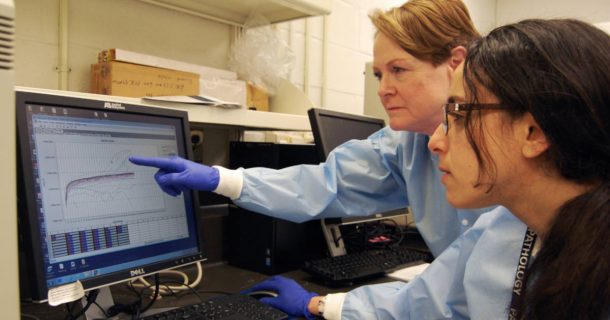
{"points": [[534, 140], [458, 54]]}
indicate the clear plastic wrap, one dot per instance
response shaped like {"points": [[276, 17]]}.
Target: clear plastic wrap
{"points": [[259, 55]]}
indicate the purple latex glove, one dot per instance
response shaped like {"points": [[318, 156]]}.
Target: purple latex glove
{"points": [[177, 174], [291, 297]]}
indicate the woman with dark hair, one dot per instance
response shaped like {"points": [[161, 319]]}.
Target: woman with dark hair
{"points": [[529, 130], [417, 47], [526, 127]]}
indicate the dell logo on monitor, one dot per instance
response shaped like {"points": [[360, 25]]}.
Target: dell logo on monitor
{"points": [[113, 105], [137, 272]]}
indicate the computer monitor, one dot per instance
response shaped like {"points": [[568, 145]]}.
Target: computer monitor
{"points": [[85, 212], [331, 129]]}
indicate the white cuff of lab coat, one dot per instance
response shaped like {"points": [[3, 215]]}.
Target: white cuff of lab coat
{"points": [[230, 182], [333, 306]]}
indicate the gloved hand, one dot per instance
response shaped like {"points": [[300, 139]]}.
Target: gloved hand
{"points": [[177, 174], [292, 298]]}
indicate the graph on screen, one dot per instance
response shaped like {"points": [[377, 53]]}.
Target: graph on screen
{"points": [[97, 180], [93, 199]]}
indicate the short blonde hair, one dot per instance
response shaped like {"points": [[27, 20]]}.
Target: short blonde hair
{"points": [[427, 29]]}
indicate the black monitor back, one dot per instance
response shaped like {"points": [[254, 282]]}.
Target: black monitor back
{"points": [[332, 128]]}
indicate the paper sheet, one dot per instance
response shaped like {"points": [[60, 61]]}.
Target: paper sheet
{"points": [[200, 99], [66, 293]]}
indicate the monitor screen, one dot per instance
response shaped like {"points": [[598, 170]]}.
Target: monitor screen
{"points": [[85, 212], [332, 128]]}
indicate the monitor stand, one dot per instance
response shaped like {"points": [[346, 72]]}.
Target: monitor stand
{"points": [[104, 300], [334, 240], [332, 232]]}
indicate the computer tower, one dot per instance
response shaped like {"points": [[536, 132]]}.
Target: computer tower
{"points": [[265, 244]]}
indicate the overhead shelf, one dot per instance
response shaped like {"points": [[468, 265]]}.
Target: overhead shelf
{"points": [[241, 118], [235, 12], [205, 115]]}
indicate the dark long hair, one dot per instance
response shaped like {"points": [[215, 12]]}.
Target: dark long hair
{"points": [[559, 72]]}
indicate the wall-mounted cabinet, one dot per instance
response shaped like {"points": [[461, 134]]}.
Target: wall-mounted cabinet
{"points": [[235, 12]]}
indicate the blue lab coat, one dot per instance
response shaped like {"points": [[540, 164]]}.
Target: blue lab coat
{"points": [[387, 171], [472, 279], [390, 170]]}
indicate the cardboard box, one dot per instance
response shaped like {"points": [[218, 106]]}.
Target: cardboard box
{"points": [[132, 80], [122, 55], [256, 98]]}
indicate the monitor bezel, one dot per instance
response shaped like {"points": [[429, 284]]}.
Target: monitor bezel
{"points": [[315, 115], [30, 238]]}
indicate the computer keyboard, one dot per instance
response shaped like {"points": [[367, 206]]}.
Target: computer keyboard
{"points": [[231, 307], [365, 264]]}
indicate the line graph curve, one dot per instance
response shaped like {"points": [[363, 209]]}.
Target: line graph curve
{"points": [[98, 181], [75, 184]]}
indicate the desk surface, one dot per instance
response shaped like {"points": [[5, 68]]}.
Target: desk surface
{"points": [[217, 279]]}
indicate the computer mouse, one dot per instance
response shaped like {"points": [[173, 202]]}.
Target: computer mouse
{"points": [[259, 294]]}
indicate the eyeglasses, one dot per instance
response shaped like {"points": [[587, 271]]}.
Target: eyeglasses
{"points": [[454, 108]]}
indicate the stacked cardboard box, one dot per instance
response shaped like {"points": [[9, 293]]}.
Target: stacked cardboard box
{"points": [[126, 73], [114, 77], [132, 80]]}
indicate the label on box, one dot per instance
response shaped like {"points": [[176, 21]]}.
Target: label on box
{"points": [[131, 80]]}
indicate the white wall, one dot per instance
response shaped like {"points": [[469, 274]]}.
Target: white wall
{"points": [[9, 271], [483, 13], [350, 38], [350, 45], [95, 25], [592, 11]]}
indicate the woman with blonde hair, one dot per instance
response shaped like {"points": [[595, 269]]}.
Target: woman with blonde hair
{"points": [[417, 48]]}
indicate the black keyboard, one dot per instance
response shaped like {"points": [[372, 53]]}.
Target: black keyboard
{"points": [[231, 307], [365, 264]]}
